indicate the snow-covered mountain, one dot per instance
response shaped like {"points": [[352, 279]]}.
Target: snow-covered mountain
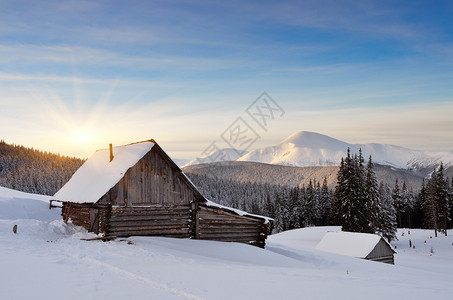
{"points": [[225, 154], [305, 148]]}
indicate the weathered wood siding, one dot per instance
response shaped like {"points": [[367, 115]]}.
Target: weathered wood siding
{"points": [[381, 252], [151, 181], [156, 220], [221, 225], [385, 259], [93, 217]]}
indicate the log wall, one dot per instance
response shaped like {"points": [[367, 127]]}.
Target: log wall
{"points": [[221, 225], [156, 220], [93, 217], [196, 221]]}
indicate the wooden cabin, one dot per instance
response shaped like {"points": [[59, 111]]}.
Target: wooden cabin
{"points": [[361, 245], [137, 189]]}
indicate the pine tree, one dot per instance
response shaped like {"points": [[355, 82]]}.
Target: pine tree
{"points": [[350, 207], [295, 209], [397, 200], [372, 197], [269, 209], [339, 194], [407, 205], [360, 197], [325, 203], [441, 199], [279, 208], [317, 204], [309, 205], [301, 202], [429, 206], [386, 222], [450, 202]]}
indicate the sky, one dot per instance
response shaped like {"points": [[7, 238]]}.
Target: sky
{"points": [[78, 75]]}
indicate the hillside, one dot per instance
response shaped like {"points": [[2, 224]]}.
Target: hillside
{"points": [[34, 171], [293, 176], [66, 267], [226, 154]]}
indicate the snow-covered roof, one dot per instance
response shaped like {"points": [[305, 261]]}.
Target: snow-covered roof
{"points": [[98, 175], [349, 243], [237, 211]]}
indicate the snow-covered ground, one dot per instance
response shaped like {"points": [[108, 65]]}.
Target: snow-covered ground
{"points": [[47, 260]]}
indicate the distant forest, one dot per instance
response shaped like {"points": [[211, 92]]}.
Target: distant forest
{"points": [[384, 207], [33, 171]]}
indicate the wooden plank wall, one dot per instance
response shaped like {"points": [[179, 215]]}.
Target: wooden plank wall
{"points": [[221, 225], [385, 259], [80, 213], [382, 249], [158, 220], [177, 221], [150, 181]]}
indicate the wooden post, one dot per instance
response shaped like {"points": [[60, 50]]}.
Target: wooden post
{"points": [[195, 225], [111, 151]]}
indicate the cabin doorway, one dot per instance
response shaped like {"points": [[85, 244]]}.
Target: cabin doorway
{"points": [[94, 220]]}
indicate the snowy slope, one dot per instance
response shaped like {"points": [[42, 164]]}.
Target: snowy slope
{"points": [[305, 148], [47, 260], [20, 205], [225, 154]]}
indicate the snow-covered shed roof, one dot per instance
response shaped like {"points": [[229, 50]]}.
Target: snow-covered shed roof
{"points": [[237, 211], [98, 175], [352, 244]]}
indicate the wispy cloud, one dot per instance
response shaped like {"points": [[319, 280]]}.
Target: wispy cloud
{"points": [[30, 78], [79, 55]]}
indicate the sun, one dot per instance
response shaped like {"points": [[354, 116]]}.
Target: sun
{"points": [[82, 137]]}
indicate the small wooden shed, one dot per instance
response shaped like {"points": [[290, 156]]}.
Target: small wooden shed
{"points": [[361, 245], [137, 189]]}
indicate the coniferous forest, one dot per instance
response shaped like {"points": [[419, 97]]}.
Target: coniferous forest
{"points": [[358, 203], [33, 171]]}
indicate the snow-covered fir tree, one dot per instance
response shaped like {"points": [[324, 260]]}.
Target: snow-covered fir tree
{"points": [[386, 221], [435, 202], [325, 203], [398, 201], [350, 204], [407, 203], [441, 199], [373, 209]]}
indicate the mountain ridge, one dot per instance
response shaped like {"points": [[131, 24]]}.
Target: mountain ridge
{"points": [[244, 171], [306, 148]]}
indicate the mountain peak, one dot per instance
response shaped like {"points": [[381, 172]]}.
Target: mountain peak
{"points": [[307, 148], [314, 140]]}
